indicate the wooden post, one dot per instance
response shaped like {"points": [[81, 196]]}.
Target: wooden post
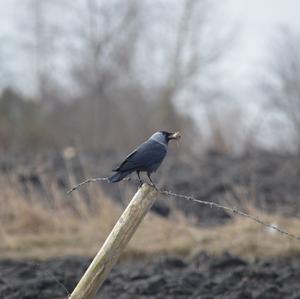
{"points": [[115, 243]]}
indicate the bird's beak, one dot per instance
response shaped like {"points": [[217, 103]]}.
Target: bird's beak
{"points": [[175, 136]]}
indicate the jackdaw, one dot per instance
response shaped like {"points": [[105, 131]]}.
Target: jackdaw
{"points": [[146, 158]]}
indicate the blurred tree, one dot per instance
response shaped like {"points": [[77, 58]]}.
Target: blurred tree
{"points": [[187, 49], [282, 86], [20, 124], [125, 68], [39, 43], [107, 35]]}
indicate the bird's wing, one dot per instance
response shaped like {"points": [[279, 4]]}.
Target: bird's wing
{"points": [[144, 156], [126, 160]]}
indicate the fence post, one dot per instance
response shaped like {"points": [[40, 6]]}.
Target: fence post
{"points": [[115, 243]]}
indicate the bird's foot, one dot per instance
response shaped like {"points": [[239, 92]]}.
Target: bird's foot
{"points": [[154, 186], [140, 183]]}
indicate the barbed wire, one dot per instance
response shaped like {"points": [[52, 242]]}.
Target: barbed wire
{"points": [[177, 195], [232, 210], [53, 277], [87, 182], [92, 180], [207, 203]]}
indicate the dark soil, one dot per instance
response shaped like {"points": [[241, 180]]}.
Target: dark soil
{"points": [[204, 277]]}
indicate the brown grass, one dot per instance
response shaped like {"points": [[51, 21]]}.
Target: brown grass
{"points": [[30, 230], [249, 240]]}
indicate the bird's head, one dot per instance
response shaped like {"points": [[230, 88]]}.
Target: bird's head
{"points": [[165, 137]]}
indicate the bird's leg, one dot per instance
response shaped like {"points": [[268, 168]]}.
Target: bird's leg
{"points": [[149, 176], [138, 174]]}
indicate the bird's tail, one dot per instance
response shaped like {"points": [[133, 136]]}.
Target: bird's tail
{"points": [[118, 176]]}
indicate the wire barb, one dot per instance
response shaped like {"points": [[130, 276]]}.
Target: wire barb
{"points": [[86, 182], [52, 276], [232, 210], [92, 180], [208, 203]]}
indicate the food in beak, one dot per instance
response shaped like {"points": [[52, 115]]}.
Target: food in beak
{"points": [[176, 136]]}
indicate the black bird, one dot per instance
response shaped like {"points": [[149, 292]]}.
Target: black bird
{"points": [[146, 158]]}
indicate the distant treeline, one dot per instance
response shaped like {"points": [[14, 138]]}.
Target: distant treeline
{"points": [[20, 122], [98, 124], [107, 74]]}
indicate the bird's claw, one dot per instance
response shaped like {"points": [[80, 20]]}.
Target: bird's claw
{"points": [[141, 184], [154, 186]]}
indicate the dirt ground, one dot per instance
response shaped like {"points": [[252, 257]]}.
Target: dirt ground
{"points": [[204, 277], [267, 181]]}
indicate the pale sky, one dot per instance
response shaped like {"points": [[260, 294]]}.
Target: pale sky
{"points": [[255, 20]]}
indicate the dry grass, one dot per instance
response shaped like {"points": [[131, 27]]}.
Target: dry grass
{"points": [[29, 230], [249, 240]]}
